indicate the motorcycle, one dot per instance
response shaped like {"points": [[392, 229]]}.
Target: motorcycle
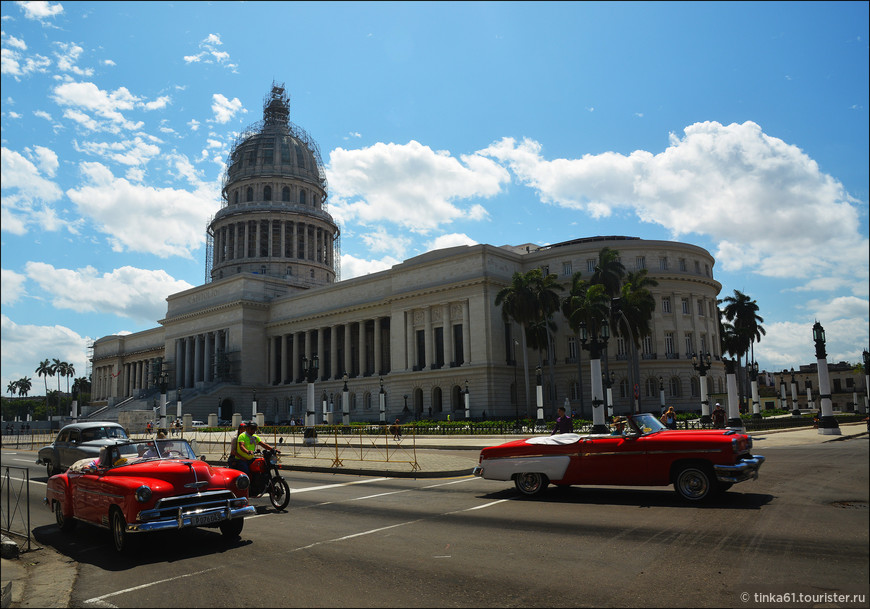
{"points": [[265, 477]]}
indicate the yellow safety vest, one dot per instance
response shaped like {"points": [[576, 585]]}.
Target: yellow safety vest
{"points": [[250, 443]]}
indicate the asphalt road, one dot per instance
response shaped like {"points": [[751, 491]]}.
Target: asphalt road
{"points": [[350, 541]]}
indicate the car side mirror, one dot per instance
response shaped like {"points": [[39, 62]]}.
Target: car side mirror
{"points": [[202, 457]]}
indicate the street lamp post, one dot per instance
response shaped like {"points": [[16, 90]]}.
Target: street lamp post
{"points": [[162, 379], [608, 384], [178, 403], [309, 371], [595, 345], [795, 411], [516, 394], [756, 401], [662, 393], [734, 420], [382, 398], [702, 364], [345, 402], [783, 403], [254, 407], [827, 423], [539, 392], [467, 402]]}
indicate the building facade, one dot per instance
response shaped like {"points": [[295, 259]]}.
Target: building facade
{"points": [[427, 330]]}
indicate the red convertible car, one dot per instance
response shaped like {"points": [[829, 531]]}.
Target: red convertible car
{"points": [[642, 452], [154, 485]]}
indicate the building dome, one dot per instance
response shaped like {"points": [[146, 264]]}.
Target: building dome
{"points": [[273, 218]]}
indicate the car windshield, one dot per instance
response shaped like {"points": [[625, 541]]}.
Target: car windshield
{"points": [[646, 423], [101, 433], [152, 450]]}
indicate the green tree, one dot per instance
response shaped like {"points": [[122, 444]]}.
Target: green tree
{"points": [[44, 370], [24, 386], [545, 288], [517, 302], [584, 303], [742, 312], [12, 388]]}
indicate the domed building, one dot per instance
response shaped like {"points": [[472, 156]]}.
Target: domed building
{"points": [[426, 331], [274, 220]]}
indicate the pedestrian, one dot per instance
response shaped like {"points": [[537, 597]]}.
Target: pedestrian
{"points": [[233, 460], [148, 427], [564, 424], [718, 417], [396, 430], [669, 419]]}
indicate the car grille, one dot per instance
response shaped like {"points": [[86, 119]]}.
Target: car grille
{"points": [[172, 507]]}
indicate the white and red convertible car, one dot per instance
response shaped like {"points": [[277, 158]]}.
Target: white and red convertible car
{"points": [[699, 463]]}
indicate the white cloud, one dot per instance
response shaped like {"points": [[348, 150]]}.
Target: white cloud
{"points": [[27, 195], [86, 96], [46, 159], [351, 266], [22, 347], [158, 104], [410, 185], [138, 294], [38, 10], [209, 53], [14, 63], [68, 57], [161, 221], [449, 240], [752, 193], [11, 286], [133, 152], [225, 109]]}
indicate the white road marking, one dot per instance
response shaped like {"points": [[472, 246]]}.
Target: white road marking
{"points": [[99, 599], [328, 486]]}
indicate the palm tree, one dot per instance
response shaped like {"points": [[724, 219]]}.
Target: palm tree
{"points": [[44, 370], [742, 311], [12, 388], [517, 303], [24, 386], [69, 371], [58, 368], [544, 288], [609, 271], [637, 307], [584, 303]]}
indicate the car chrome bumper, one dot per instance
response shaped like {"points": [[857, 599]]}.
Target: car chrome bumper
{"points": [[747, 469], [477, 471], [203, 518]]}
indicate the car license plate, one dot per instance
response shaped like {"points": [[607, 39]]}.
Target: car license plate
{"points": [[199, 520]]}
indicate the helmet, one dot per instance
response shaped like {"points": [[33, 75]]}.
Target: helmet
{"points": [[252, 425]]}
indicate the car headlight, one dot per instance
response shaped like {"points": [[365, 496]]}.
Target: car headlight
{"points": [[243, 482], [143, 494]]}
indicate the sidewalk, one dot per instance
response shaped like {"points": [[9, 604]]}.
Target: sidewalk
{"points": [[44, 577]]}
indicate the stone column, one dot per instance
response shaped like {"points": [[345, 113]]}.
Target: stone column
{"points": [[348, 356]]}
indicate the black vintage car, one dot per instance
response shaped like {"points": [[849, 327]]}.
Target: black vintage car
{"points": [[79, 441]]}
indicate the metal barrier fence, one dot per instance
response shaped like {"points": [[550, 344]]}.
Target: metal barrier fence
{"points": [[15, 502]]}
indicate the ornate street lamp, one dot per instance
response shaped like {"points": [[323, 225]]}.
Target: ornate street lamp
{"points": [[178, 403], [382, 397], [309, 372], [701, 365], [756, 402], [662, 393], [467, 402], [608, 384], [734, 420], [162, 379], [827, 423], [539, 392], [345, 402], [795, 411], [595, 345]]}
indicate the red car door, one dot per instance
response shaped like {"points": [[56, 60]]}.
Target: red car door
{"points": [[609, 460]]}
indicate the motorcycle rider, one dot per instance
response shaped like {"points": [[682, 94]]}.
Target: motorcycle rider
{"points": [[246, 444]]}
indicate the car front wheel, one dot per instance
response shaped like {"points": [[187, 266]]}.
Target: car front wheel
{"points": [[232, 529], [695, 482], [530, 483], [119, 530], [65, 524]]}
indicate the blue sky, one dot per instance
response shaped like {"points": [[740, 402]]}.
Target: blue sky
{"points": [[738, 127]]}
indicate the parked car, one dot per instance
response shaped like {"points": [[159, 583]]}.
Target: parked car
{"points": [[699, 463], [199, 424], [153, 485], [78, 441]]}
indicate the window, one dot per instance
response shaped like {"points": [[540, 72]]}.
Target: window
{"points": [[572, 348], [651, 387], [285, 152], [268, 156], [683, 264], [236, 197], [647, 345], [285, 194], [640, 262], [301, 197], [252, 156], [421, 349], [707, 270], [590, 265], [250, 194], [623, 388], [689, 343], [700, 308], [545, 270], [685, 304], [663, 264], [458, 356], [697, 267], [666, 304], [620, 347], [567, 269], [267, 193], [675, 387], [669, 343]]}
